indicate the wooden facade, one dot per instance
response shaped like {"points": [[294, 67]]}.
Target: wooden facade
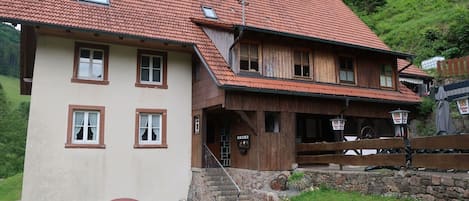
{"points": [[277, 61], [235, 113]]}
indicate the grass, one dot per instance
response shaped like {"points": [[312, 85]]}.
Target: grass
{"points": [[11, 87], [10, 188], [324, 194]]}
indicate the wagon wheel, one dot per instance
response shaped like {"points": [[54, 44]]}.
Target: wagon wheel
{"points": [[367, 132]]}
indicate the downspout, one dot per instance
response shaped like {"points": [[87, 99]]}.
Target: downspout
{"points": [[230, 54]]}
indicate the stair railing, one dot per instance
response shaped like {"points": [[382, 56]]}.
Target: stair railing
{"points": [[212, 162]]}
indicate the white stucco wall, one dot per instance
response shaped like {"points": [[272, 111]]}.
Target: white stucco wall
{"points": [[55, 173]]}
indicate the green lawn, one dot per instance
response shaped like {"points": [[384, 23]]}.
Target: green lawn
{"points": [[11, 86], [10, 188], [333, 195]]}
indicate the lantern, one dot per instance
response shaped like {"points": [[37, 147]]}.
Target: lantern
{"points": [[463, 105], [338, 124], [399, 117]]}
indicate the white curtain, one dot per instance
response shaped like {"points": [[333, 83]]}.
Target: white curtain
{"points": [[79, 118], [143, 125], [156, 127], [93, 124]]}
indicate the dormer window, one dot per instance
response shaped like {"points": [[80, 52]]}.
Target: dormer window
{"points": [[249, 57], [209, 12], [346, 70], [104, 2]]}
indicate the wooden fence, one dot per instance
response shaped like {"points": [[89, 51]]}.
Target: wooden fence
{"points": [[454, 67], [440, 152]]}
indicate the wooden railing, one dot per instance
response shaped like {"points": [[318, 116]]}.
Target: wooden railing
{"points": [[454, 67], [440, 152]]}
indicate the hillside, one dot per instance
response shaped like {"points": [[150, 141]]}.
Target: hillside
{"points": [[423, 28], [11, 87], [9, 50]]}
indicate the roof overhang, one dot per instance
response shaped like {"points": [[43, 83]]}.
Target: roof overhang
{"points": [[89, 30], [315, 95], [315, 39]]}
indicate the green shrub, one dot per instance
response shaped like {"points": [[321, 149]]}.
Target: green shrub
{"points": [[426, 107], [296, 176]]}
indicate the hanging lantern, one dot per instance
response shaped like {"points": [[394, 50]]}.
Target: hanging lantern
{"points": [[399, 117], [463, 105], [338, 124]]}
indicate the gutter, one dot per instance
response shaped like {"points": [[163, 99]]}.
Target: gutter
{"points": [[326, 96], [309, 38]]}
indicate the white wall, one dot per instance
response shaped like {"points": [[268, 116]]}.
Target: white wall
{"points": [[53, 172]]}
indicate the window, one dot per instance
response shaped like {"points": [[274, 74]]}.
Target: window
{"points": [[249, 57], [209, 12], [272, 122], [301, 63], [385, 78], [85, 127], [105, 2], [151, 69], [346, 70], [150, 128], [91, 64]]}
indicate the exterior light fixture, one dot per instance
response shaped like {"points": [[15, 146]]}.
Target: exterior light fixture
{"points": [[338, 124], [399, 117], [463, 105]]}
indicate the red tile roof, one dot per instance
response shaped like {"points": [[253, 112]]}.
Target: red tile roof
{"points": [[171, 20], [411, 70]]}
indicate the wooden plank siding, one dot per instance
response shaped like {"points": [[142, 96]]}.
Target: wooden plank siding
{"points": [[454, 67], [441, 142], [205, 93], [368, 160], [458, 161], [361, 144], [298, 104], [278, 54]]}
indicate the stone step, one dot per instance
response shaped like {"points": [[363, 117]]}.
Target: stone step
{"points": [[223, 188], [218, 182], [233, 198]]}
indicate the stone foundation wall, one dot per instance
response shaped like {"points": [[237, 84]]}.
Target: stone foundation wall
{"points": [[420, 185], [198, 191]]}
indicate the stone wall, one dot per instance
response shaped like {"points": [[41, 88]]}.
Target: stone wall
{"points": [[198, 190], [426, 186], [421, 185]]}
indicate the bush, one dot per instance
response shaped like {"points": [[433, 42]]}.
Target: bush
{"points": [[426, 107], [298, 181]]}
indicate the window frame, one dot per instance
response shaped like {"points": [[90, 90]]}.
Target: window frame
{"points": [[391, 75], [354, 68], [163, 84], [108, 2], [70, 142], [76, 63], [259, 57], [302, 51], [277, 116], [163, 128]]}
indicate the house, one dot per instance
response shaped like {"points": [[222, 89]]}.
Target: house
{"points": [[126, 94], [414, 78]]}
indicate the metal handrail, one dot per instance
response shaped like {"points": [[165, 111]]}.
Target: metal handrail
{"points": [[224, 170]]}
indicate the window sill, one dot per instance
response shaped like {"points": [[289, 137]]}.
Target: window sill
{"points": [[99, 82], [157, 86], [302, 77], [348, 83], [387, 88], [150, 146], [86, 146]]}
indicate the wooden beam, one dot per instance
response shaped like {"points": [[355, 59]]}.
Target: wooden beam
{"points": [[441, 161], [359, 144], [377, 159], [441, 142], [246, 119]]}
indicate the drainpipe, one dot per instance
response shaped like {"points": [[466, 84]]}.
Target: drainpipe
{"points": [[230, 55]]}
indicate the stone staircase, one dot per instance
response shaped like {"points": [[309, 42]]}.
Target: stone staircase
{"points": [[221, 187]]}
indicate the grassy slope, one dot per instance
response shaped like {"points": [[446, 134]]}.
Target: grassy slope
{"points": [[12, 90], [332, 195], [402, 24], [10, 188]]}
